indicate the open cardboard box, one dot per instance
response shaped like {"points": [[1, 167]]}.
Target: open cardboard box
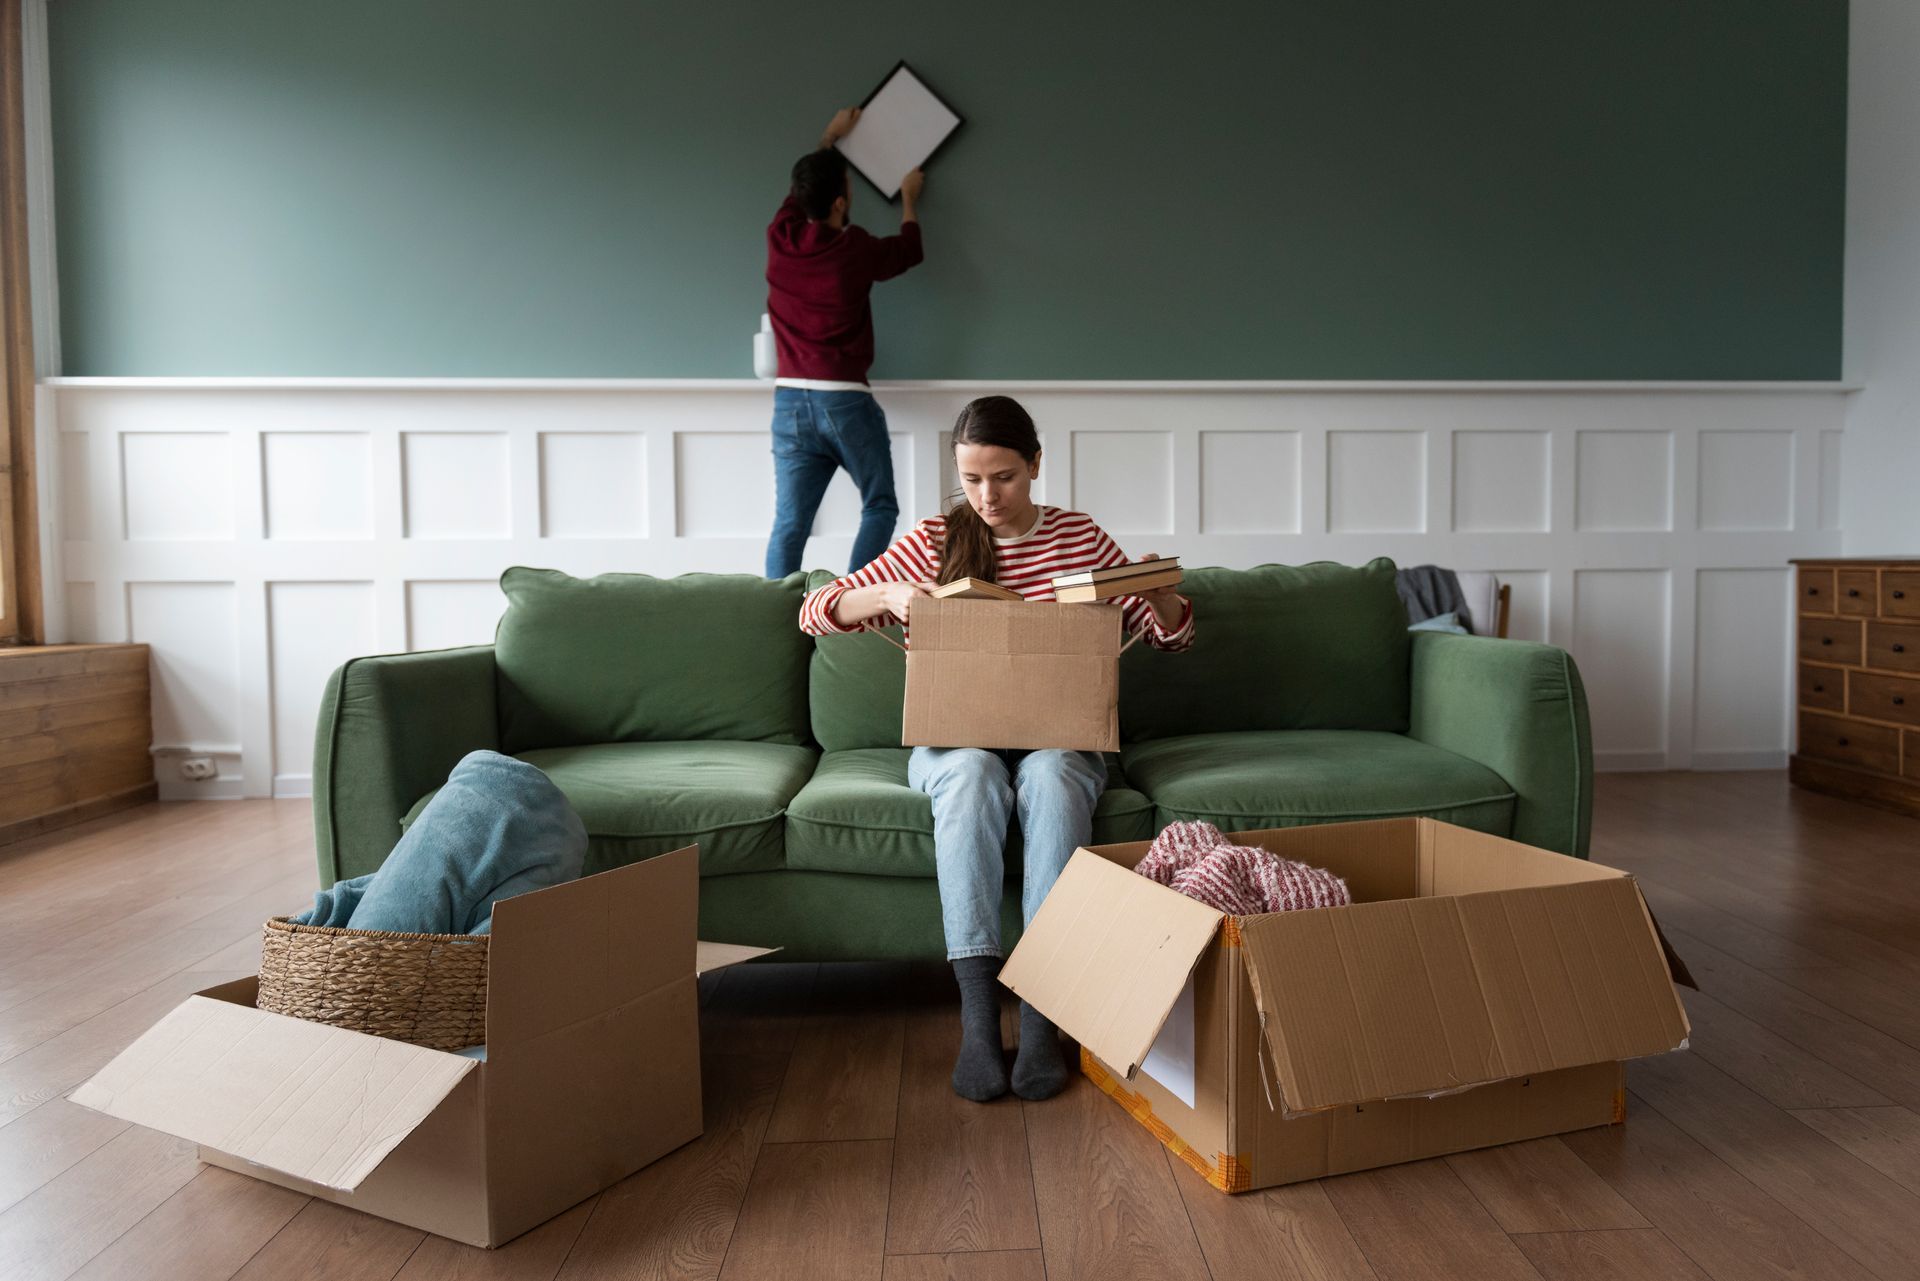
{"points": [[1015, 674], [592, 1070], [1478, 991]]}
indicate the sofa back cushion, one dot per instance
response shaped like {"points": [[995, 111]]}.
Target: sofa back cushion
{"points": [[628, 658], [1320, 646], [858, 687]]}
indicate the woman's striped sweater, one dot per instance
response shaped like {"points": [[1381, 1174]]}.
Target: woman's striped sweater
{"points": [[1060, 542]]}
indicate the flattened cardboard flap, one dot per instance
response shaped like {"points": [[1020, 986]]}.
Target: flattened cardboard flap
{"points": [[1431, 995], [564, 954], [1107, 955], [708, 957], [319, 1103]]}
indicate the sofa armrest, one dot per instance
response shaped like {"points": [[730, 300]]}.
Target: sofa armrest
{"points": [[1519, 709], [391, 728]]}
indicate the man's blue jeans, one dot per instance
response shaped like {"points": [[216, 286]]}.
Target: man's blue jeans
{"points": [[815, 432], [974, 793]]}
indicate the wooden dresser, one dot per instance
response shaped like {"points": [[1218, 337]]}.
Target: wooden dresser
{"points": [[75, 725], [1857, 681]]}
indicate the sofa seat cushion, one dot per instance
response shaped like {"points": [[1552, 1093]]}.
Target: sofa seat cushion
{"points": [[1292, 778], [859, 814], [642, 799]]}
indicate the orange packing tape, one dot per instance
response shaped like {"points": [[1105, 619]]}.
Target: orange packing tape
{"points": [[1225, 1172]]}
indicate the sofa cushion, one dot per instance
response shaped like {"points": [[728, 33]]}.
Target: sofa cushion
{"points": [[642, 799], [632, 658], [858, 814], [1319, 646], [1295, 778], [856, 687]]}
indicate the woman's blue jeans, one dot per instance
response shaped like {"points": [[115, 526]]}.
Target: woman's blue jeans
{"points": [[974, 793], [814, 433]]}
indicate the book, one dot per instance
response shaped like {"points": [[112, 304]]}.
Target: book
{"points": [[974, 589], [1129, 585], [1085, 577]]}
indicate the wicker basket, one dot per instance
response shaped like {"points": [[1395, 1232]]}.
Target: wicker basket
{"points": [[429, 989]]}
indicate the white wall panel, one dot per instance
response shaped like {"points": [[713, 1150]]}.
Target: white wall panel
{"points": [[1746, 480], [1376, 482], [1620, 643], [319, 485], [229, 512], [1250, 482], [1742, 653], [312, 628], [1529, 604], [447, 615], [1625, 481], [724, 484], [76, 485], [193, 630], [1124, 480], [593, 484], [456, 484], [179, 485], [1502, 481]]}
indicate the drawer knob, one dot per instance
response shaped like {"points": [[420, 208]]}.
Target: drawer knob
{"points": [[1826, 640], [1853, 591], [1819, 689], [1899, 595], [1813, 591], [1898, 648], [1899, 700], [1843, 742]]}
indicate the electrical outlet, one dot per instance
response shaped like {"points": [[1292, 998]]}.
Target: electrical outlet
{"points": [[198, 768]]}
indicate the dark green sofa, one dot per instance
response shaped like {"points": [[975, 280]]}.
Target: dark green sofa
{"points": [[675, 711]]}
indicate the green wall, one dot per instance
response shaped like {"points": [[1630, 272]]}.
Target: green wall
{"points": [[1280, 189]]}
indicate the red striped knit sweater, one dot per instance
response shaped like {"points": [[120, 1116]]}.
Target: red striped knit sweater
{"points": [[1060, 542]]}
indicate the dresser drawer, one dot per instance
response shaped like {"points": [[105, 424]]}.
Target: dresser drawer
{"points": [[1900, 593], [1833, 640], [1857, 591], [1891, 645], [1816, 591], [1823, 687], [1869, 747], [1883, 698]]}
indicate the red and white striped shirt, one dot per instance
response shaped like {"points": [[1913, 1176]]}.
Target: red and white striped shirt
{"points": [[1060, 542]]}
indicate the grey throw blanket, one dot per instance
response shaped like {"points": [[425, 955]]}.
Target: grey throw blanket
{"points": [[1428, 590]]}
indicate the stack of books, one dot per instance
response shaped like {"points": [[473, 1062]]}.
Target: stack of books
{"points": [[1121, 580], [974, 589]]}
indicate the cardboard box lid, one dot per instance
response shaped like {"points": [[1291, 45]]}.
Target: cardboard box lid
{"points": [[708, 957], [1106, 956], [1425, 996], [317, 1102]]}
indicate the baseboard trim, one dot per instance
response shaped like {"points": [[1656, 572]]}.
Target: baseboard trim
{"points": [[1629, 762], [97, 807], [1773, 758]]}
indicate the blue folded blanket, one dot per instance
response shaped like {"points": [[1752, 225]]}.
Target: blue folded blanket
{"points": [[498, 828]]}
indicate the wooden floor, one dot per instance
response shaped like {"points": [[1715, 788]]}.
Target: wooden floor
{"points": [[1785, 1144]]}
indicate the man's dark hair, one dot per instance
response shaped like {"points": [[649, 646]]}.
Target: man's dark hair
{"points": [[819, 179]]}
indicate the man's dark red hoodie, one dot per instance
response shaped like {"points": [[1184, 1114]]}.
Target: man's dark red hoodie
{"points": [[817, 283]]}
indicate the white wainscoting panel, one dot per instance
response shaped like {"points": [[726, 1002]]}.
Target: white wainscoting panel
{"points": [[447, 615], [1742, 682], [319, 485], [1621, 629], [312, 628], [1626, 481], [1376, 482], [1249, 482], [255, 532]]}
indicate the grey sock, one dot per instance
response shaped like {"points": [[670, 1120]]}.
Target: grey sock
{"points": [[980, 1073], [1040, 1069]]}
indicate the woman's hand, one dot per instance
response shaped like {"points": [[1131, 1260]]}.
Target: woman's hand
{"points": [[1167, 605], [897, 598]]}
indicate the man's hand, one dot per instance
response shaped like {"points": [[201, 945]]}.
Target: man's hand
{"points": [[910, 186], [840, 126]]}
